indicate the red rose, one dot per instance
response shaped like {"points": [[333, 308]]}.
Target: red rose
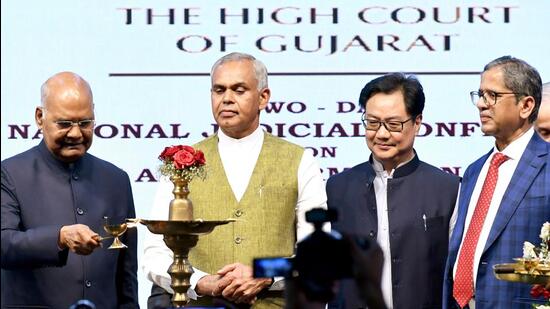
{"points": [[199, 157], [169, 152], [536, 291], [183, 158], [188, 149]]}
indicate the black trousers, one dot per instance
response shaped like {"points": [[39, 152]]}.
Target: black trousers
{"points": [[159, 298]]}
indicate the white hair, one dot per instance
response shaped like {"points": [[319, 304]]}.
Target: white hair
{"points": [[259, 68]]}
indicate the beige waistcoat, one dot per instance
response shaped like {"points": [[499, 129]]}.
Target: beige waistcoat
{"points": [[266, 213]]}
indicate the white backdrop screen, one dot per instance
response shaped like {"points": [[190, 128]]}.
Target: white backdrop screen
{"points": [[148, 63]]}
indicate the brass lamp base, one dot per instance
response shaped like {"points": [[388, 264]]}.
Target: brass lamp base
{"points": [[117, 244], [180, 237]]}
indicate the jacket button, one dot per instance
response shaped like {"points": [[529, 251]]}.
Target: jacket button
{"points": [[88, 283], [80, 211], [238, 213], [75, 176], [371, 233], [238, 240]]}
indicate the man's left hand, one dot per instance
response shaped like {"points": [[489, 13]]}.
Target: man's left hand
{"points": [[243, 287]]}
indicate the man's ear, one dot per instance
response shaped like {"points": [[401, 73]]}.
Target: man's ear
{"points": [[417, 123], [39, 116], [265, 94], [527, 104]]}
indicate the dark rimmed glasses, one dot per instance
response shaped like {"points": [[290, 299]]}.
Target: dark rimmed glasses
{"points": [[489, 97], [392, 125]]}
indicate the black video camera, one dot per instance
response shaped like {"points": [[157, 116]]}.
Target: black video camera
{"points": [[320, 256]]}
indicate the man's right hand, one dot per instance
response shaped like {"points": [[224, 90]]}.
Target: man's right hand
{"points": [[211, 285], [243, 287], [233, 282], [79, 238]]}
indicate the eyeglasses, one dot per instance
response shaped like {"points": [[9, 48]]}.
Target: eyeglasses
{"points": [[86, 124], [489, 97], [392, 126]]}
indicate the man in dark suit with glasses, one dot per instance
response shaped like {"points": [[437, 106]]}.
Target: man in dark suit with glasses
{"points": [[402, 202], [54, 198]]}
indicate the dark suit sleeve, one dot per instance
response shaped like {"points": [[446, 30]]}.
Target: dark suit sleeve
{"points": [[330, 193], [333, 199], [127, 284], [30, 248]]}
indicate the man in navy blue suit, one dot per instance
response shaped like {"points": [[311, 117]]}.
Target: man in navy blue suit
{"points": [[54, 198], [508, 100]]}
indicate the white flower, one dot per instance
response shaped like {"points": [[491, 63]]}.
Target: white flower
{"points": [[545, 231], [529, 250], [542, 307]]}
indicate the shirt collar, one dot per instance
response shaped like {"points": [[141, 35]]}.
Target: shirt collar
{"points": [[515, 149], [378, 167], [403, 169], [256, 136]]}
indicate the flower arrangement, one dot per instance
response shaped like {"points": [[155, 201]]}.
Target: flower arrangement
{"points": [[539, 258], [541, 255], [182, 161]]}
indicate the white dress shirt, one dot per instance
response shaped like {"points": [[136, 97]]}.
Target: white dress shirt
{"points": [[383, 233], [513, 151], [239, 157], [454, 216]]}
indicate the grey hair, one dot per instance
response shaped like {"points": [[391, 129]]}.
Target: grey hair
{"points": [[546, 93], [44, 93], [520, 77], [259, 68]]}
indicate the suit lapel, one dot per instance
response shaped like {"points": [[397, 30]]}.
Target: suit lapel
{"points": [[528, 167]]}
